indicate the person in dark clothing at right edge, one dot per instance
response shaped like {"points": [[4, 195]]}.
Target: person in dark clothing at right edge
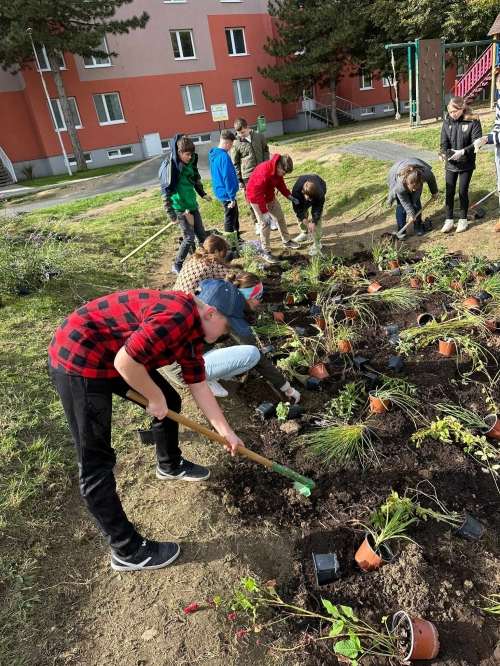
{"points": [[460, 129], [180, 181]]}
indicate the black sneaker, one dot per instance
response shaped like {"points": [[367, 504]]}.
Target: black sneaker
{"points": [[291, 244], [187, 471], [419, 231], [151, 555]]}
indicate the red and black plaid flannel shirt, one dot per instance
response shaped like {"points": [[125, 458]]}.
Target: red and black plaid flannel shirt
{"points": [[156, 328]]}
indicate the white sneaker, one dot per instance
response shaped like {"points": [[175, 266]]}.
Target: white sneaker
{"points": [[273, 226], [462, 225], [447, 226], [257, 229], [218, 390], [301, 237], [315, 250]]}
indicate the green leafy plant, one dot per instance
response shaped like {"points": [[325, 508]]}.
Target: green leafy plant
{"points": [[292, 365], [400, 393], [343, 405], [465, 416], [495, 604], [385, 526], [477, 264], [336, 443], [393, 299], [282, 411]]}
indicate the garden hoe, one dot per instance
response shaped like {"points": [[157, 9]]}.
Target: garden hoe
{"points": [[368, 209], [301, 483], [398, 235], [167, 226], [480, 212]]}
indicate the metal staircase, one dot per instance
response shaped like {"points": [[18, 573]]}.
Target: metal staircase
{"points": [[477, 77], [323, 112], [7, 173], [5, 177]]}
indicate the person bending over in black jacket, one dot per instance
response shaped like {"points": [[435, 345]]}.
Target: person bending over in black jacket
{"points": [[460, 129], [309, 191]]}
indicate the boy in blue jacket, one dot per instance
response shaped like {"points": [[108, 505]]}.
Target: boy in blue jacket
{"points": [[225, 181], [180, 182]]}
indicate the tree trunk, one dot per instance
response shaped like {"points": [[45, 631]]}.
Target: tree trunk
{"points": [[81, 165], [335, 120]]}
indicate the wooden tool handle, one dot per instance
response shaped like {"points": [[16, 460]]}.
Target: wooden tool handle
{"points": [[415, 217], [141, 400], [368, 209], [167, 226]]}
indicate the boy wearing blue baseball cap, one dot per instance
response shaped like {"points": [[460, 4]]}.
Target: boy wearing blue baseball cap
{"points": [[118, 342]]}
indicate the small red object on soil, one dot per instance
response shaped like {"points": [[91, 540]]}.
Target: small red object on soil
{"points": [[191, 609]]}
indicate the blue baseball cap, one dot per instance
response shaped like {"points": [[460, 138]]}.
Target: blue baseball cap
{"points": [[227, 299]]}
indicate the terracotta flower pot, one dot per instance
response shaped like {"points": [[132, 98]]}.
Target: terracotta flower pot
{"points": [[425, 318], [377, 405], [494, 423], [374, 287], [430, 279], [416, 283], [313, 295], [394, 264], [355, 272], [368, 559], [319, 370], [345, 346], [491, 324], [320, 322], [479, 276], [496, 227], [328, 272], [279, 316], [350, 314], [456, 286], [296, 277], [423, 637], [290, 299], [447, 347], [471, 303]]}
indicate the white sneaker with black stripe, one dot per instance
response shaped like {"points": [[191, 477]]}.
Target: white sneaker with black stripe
{"points": [[187, 471], [151, 555]]}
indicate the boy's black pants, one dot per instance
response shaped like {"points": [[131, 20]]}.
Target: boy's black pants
{"points": [[88, 406], [231, 217]]}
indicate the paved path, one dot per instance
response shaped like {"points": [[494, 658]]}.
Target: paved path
{"points": [[383, 150]]}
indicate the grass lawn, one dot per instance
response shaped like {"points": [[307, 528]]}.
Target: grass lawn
{"points": [[37, 456], [78, 175]]}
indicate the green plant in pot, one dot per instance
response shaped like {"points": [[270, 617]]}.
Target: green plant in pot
{"points": [[477, 265], [293, 364], [397, 392], [286, 411], [393, 299]]}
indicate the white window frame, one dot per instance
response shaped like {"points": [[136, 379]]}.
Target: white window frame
{"points": [[44, 53], [405, 106], [388, 108], [109, 122], [119, 151], [179, 45], [64, 128], [231, 0], [94, 65], [72, 159], [237, 55], [365, 112], [237, 81], [173, 1], [362, 82], [386, 81], [198, 138], [188, 94]]}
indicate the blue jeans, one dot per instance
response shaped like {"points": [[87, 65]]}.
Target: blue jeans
{"points": [[230, 361], [189, 232], [401, 213]]}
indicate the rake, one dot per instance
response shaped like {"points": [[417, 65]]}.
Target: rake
{"points": [[480, 212], [301, 483]]}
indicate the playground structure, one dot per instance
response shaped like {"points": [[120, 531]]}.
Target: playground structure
{"points": [[426, 75]]}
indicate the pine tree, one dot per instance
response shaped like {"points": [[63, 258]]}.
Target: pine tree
{"points": [[74, 26], [315, 41]]}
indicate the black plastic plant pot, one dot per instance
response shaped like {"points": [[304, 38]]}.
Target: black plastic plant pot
{"points": [[395, 272], [427, 224], [300, 331], [294, 411], [313, 384], [266, 410], [326, 568], [471, 529], [392, 329], [338, 299], [394, 339], [335, 358], [409, 271], [453, 263], [396, 363], [273, 308], [22, 291], [359, 363], [371, 380], [483, 296], [446, 307], [269, 349], [146, 437], [315, 310]]}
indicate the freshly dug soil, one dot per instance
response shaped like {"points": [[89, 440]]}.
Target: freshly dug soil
{"points": [[437, 576]]}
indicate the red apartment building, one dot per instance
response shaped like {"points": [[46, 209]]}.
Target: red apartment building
{"points": [[192, 54]]}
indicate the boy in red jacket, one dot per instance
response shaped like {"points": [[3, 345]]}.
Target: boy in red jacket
{"points": [[260, 194]]}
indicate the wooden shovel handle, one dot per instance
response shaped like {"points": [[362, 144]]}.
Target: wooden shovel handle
{"points": [[415, 217], [141, 400], [167, 226]]}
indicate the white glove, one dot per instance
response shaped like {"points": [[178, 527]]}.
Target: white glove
{"points": [[266, 220], [291, 198], [457, 154], [290, 392], [172, 373]]}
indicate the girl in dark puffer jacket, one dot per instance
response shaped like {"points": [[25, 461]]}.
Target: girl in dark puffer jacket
{"points": [[460, 129]]}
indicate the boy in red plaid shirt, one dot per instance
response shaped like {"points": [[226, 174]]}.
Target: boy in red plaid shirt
{"points": [[118, 342]]}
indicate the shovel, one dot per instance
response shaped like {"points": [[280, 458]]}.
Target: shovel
{"points": [[167, 226], [480, 212], [399, 234], [301, 483], [368, 209]]}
